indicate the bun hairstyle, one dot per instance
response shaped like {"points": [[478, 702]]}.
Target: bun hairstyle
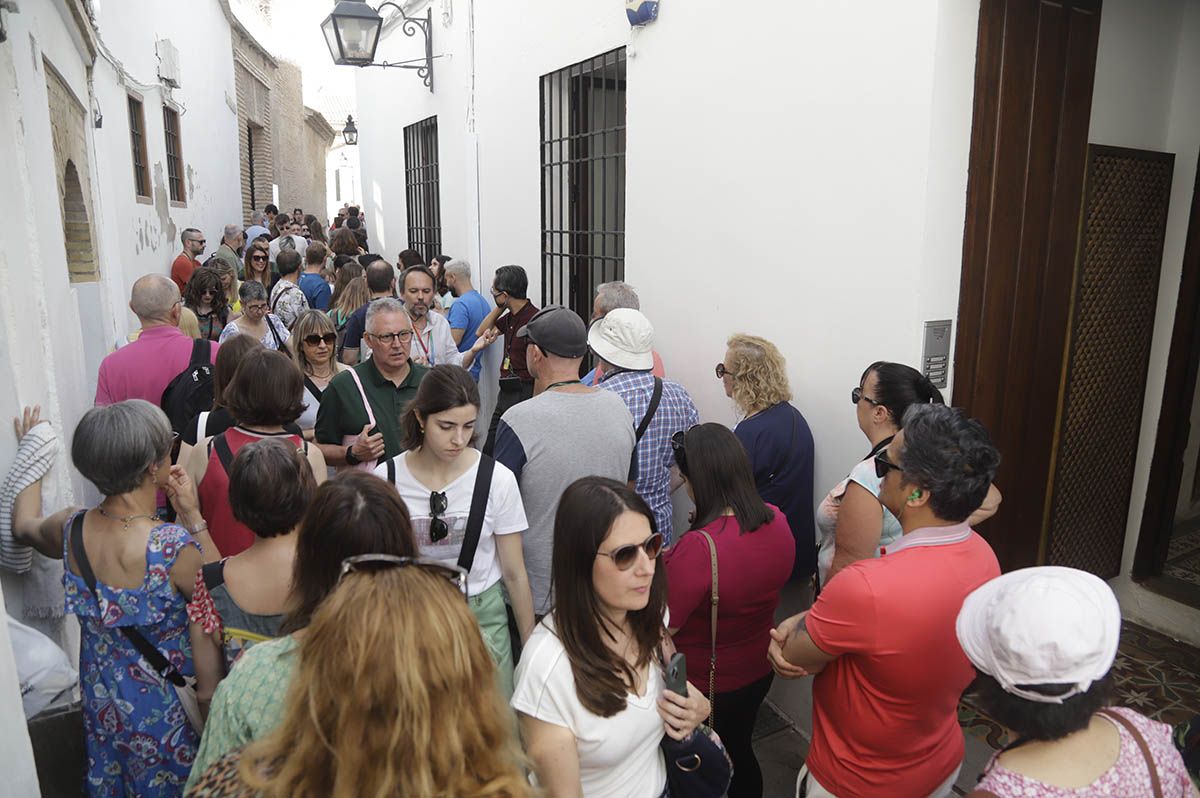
{"points": [[898, 387]]}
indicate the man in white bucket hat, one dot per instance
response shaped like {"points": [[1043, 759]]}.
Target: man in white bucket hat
{"points": [[1044, 640], [623, 340]]}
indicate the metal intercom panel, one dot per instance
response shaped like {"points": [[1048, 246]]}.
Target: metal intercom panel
{"points": [[935, 356]]}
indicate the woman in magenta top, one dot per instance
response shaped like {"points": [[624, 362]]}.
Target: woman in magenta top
{"points": [[755, 551], [266, 398]]}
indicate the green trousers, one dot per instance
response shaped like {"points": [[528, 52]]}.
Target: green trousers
{"points": [[490, 612]]}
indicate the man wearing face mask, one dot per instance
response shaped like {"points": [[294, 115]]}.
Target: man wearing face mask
{"points": [[881, 636], [433, 343]]}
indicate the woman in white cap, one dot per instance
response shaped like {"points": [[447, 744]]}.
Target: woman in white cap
{"points": [[1043, 640]]}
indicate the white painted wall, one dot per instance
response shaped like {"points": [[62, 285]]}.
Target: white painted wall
{"points": [[145, 238], [1147, 96], [798, 174]]}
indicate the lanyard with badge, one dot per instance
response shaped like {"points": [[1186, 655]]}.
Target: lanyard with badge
{"points": [[420, 338]]}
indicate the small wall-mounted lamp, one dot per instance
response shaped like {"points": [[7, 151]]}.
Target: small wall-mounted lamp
{"points": [[350, 132]]}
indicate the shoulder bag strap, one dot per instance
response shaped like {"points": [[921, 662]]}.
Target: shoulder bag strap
{"points": [[391, 470], [363, 394], [312, 388], [152, 655], [279, 296], [655, 398], [274, 332], [479, 500], [200, 350], [201, 425], [712, 660], [224, 453], [1155, 782], [214, 574]]}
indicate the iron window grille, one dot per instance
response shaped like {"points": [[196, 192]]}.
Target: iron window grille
{"points": [[137, 142], [174, 155], [250, 166], [583, 179], [421, 187]]}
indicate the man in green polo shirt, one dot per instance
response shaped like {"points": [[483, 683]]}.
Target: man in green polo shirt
{"points": [[389, 381]]}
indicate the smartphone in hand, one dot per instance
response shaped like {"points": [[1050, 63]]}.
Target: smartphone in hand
{"points": [[676, 674]]}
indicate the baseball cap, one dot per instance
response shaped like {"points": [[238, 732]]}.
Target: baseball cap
{"points": [[557, 330], [624, 337], [1044, 625]]}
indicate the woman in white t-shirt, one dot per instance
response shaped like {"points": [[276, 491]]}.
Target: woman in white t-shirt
{"points": [[436, 477], [590, 692]]}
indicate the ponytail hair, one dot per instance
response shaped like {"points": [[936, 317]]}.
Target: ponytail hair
{"points": [[898, 387], [444, 388]]}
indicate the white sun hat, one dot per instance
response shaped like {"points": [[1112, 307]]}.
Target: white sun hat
{"points": [[1044, 625], [625, 338]]}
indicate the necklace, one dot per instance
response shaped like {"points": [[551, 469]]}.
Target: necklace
{"points": [[124, 519], [554, 385], [317, 376]]}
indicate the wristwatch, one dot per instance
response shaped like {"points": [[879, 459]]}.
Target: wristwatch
{"points": [[350, 458]]}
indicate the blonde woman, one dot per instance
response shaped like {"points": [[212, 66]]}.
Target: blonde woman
{"points": [[776, 437], [345, 302], [229, 281], [315, 352], [383, 708]]}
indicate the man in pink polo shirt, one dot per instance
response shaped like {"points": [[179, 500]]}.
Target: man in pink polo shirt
{"points": [[881, 636], [142, 369]]}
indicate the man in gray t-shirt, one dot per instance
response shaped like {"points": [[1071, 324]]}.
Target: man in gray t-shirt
{"points": [[567, 431]]}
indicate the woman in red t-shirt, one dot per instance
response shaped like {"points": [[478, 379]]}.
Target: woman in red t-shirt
{"points": [[754, 552], [266, 398]]}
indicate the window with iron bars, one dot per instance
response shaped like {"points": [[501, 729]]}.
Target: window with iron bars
{"points": [[421, 188], [583, 180], [174, 154]]}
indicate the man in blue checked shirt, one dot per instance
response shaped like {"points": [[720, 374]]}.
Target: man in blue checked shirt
{"points": [[624, 340]]}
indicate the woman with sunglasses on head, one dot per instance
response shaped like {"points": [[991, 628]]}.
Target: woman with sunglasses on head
{"points": [[257, 320], [316, 356], [239, 601], [852, 524], [204, 295], [776, 437], [590, 693], [350, 515], [383, 708], [754, 551], [437, 477]]}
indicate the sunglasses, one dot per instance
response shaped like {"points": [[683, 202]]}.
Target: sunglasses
{"points": [[721, 371], [680, 451], [438, 529], [378, 562], [258, 257], [884, 465], [856, 396], [314, 339], [199, 241], [625, 556]]}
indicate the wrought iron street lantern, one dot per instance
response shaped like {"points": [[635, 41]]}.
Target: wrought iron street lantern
{"points": [[350, 132], [352, 32]]}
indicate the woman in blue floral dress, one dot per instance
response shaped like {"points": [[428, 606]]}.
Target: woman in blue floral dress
{"points": [[139, 740]]}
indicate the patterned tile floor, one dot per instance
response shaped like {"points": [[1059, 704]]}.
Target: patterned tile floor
{"points": [[1153, 674], [1183, 555]]}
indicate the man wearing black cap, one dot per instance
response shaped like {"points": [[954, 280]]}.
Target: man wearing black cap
{"points": [[565, 432]]}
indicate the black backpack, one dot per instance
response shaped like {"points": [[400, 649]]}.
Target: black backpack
{"points": [[191, 392]]}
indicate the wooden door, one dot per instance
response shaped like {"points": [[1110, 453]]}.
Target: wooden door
{"points": [[1034, 71]]}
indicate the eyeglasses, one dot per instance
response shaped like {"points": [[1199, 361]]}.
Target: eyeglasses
{"points": [[404, 336], [257, 308], [258, 257], [625, 556], [378, 562], [721, 371], [857, 396], [314, 339], [884, 465], [438, 529]]}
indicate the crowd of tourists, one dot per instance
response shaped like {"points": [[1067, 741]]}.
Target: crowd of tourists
{"points": [[318, 569]]}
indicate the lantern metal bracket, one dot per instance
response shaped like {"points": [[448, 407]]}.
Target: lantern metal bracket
{"points": [[410, 26]]}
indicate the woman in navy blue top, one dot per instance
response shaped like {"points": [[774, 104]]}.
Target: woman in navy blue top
{"points": [[776, 437]]}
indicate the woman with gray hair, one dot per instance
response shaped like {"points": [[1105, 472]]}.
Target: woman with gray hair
{"points": [[256, 320], [128, 577]]}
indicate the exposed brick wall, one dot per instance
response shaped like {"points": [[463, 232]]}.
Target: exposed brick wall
{"points": [[67, 120]]}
